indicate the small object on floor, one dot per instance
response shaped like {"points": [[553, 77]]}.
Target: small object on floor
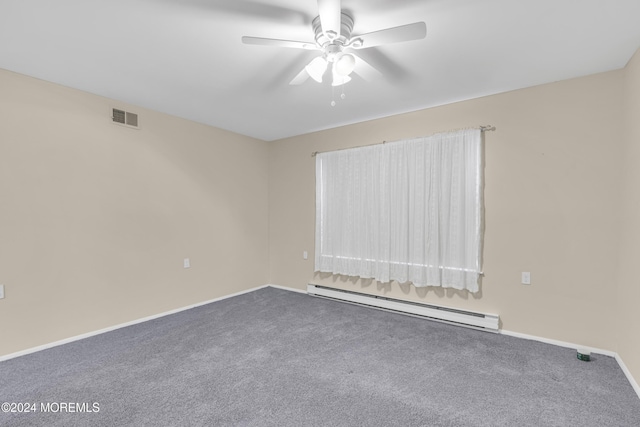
{"points": [[584, 355]]}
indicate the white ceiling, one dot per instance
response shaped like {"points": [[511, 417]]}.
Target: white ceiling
{"points": [[185, 57]]}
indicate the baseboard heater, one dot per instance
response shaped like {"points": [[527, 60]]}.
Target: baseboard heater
{"points": [[481, 321]]}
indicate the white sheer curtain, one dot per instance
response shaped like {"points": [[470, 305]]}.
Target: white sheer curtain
{"points": [[409, 211]]}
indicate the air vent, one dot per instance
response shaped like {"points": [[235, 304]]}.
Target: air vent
{"points": [[125, 118]]}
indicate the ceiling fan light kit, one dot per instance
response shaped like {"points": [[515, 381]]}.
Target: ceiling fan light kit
{"points": [[345, 64], [338, 80], [332, 34], [317, 68]]}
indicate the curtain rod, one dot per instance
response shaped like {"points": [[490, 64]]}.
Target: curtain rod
{"points": [[487, 128]]}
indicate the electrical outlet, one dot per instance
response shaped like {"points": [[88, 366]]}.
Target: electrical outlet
{"points": [[526, 278], [186, 263], [305, 255], [1, 291]]}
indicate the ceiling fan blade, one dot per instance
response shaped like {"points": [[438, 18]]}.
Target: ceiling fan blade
{"points": [[403, 33], [330, 13], [302, 77], [278, 43], [365, 70]]}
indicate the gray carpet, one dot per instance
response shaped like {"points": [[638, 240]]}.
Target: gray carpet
{"points": [[278, 358]]}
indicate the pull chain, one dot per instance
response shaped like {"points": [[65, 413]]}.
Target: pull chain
{"points": [[342, 95]]}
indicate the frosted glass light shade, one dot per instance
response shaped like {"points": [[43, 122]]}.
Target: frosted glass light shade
{"points": [[316, 68], [338, 79], [345, 64]]}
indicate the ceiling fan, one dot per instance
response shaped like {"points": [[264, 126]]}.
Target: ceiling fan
{"points": [[332, 29]]}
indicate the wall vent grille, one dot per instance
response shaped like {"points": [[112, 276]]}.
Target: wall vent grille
{"points": [[125, 118]]}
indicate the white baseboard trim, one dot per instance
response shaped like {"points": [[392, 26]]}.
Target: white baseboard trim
{"points": [[626, 371], [565, 344], [285, 288], [558, 343], [121, 325]]}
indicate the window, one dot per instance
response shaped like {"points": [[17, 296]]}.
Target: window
{"points": [[409, 211]]}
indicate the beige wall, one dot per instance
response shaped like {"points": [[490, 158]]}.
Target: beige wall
{"points": [[628, 308], [552, 193], [96, 218]]}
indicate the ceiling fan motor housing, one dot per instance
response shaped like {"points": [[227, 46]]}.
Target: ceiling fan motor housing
{"points": [[346, 26]]}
